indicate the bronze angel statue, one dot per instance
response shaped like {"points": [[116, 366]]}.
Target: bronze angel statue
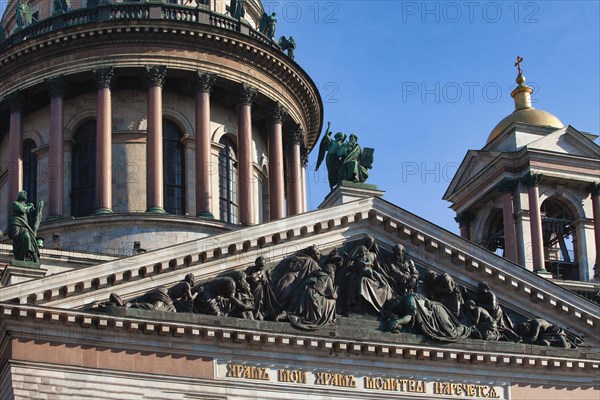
{"points": [[346, 161]]}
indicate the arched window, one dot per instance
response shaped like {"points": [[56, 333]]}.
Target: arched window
{"points": [[494, 233], [83, 170], [174, 168], [559, 233], [228, 182], [30, 170]]}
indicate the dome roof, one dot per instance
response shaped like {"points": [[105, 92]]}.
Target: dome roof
{"points": [[527, 116]]}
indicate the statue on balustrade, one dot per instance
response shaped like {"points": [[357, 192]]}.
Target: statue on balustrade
{"points": [[401, 271], [22, 228], [227, 296], [442, 288], [268, 24], [541, 332], [288, 45], [237, 8], [346, 161], [266, 305], [415, 313]]}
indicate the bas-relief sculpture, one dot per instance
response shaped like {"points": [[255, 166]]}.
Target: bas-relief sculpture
{"points": [[22, 228], [345, 161], [357, 281]]}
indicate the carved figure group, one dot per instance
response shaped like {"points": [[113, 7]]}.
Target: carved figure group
{"points": [[310, 291], [23, 226], [345, 161], [288, 44]]}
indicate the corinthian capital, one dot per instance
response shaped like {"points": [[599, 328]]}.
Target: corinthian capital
{"points": [[247, 94], [531, 180], [56, 86], [204, 81], [155, 75], [277, 113], [104, 77]]}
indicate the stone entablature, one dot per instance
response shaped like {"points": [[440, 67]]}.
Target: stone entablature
{"points": [[193, 329], [429, 245]]}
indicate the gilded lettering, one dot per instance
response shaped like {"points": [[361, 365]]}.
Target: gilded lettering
{"points": [[352, 381], [437, 388], [320, 379], [231, 371], [471, 390], [492, 393], [420, 387]]}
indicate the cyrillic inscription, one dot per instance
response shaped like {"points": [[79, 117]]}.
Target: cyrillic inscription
{"points": [[341, 380], [247, 372]]}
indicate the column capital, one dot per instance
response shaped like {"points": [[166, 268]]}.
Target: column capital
{"points": [[56, 86], [247, 94], [506, 185], [531, 180], [204, 81], [104, 77], [304, 152], [295, 135], [15, 101], [277, 113], [594, 188], [156, 75], [463, 218]]}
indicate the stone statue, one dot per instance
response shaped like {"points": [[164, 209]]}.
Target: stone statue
{"points": [[541, 332], [225, 296], [237, 9], [346, 161], [443, 289], [22, 228], [289, 45], [21, 14], [366, 289], [315, 304], [401, 271], [414, 312], [266, 305], [355, 163], [268, 24], [291, 274], [487, 299], [181, 294], [156, 299]]}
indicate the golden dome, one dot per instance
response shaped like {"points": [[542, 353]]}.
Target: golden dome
{"points": [[527, 116], [524, 112]]}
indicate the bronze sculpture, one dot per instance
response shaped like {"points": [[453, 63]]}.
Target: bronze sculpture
{"points": [[346, 161], [22, 228]]}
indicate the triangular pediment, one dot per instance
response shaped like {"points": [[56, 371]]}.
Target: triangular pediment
{"points": [[474, 162], [569, 141], [430, 246]]}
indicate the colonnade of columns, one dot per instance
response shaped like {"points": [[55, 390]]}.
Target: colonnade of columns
{"points": [[155, 79], [511, 245]]}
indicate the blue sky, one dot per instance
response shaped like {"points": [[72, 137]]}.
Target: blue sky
{"points": [[423, 82]]}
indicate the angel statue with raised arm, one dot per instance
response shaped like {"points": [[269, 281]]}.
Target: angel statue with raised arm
{"points": [[335, 149]]}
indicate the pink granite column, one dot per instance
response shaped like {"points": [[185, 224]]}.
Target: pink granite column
{"points": [[276, 171], [535, 219], [204, 168], [464, 224], [594, 190], [244, 143], [155, 79], [507, 186], [104, 79], [15, 148], [295, 141], [54, 172]]}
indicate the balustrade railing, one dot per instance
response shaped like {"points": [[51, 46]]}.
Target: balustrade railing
{"points": [[131, 11]]}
